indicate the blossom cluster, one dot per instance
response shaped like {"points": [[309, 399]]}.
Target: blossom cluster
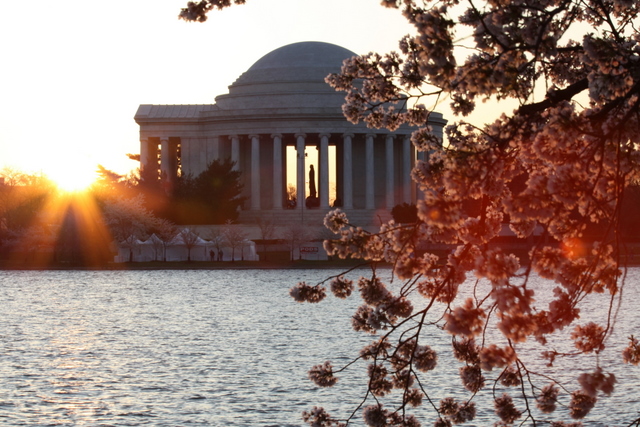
{"points": [[377, 416], [631, 354], [466, 320], [597, 381], [472, 378], [322, 375], [510, 377], [506, 410], [197, 10], [456, 412], [589, 338], [318, 417], [581, 404], [425, 359], [341, 287], [547, 399], [306, 293]]}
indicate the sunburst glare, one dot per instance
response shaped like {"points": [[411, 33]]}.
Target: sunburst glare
{"points": [[72, 176], [70, 229]]}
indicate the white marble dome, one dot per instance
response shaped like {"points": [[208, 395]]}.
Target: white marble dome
{"points": [[290, 77]]}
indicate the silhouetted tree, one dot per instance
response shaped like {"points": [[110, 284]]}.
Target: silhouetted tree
{"points": [[189, 239], [215, 236], [213, 197], [296, 234], [166, 231], [234, 237], [112, 184], [129, 220], [22, 198], [267, 228]]}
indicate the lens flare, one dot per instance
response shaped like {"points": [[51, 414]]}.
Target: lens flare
{"points": [[69, 231], [73, 176]]}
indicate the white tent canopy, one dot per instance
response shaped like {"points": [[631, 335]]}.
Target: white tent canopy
{"points": [[198, 249]]}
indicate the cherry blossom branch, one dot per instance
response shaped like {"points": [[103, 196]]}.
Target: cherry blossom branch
{"points": [[554, 98]]}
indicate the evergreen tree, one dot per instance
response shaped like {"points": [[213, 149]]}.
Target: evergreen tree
{"points": [[213, 197]]}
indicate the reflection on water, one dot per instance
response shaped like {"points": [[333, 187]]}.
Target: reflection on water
{"points": [[210, 348]]}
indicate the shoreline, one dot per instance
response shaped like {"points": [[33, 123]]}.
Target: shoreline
{"points": [[185, 265], [632, 259]]}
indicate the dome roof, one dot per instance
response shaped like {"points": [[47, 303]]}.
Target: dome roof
{"points": [[291, 76], [305, 61]]}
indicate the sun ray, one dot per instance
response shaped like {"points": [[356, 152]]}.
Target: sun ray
{"points": [[69, 230]]}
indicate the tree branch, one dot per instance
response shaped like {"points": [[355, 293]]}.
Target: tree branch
{"points": [[555, 98]]}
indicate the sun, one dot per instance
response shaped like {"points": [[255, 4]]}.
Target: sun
{"points": [[73, 177]]}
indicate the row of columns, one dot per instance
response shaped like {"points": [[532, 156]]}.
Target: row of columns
{"points": [[168, 167]]}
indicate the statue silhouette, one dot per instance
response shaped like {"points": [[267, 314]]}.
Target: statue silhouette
{"points": [[312, 183], [312, 201]]}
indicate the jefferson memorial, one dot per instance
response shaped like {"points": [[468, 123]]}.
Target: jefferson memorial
{"points": [[283, 127]]}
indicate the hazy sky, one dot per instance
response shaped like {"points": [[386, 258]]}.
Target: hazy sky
{"points": [[75, 71]]}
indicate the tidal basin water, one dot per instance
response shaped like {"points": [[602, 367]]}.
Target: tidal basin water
{"points": [[208, 348]]}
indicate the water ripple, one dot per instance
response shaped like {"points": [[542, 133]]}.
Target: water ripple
{"points": [[196, 348]]}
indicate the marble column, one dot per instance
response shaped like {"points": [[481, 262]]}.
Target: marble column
{"points": [[255, 172], [185, 155], [165, 159], [347, 171], [300, 190], [406, 169], [235, 151], [144, 154], [213, 149], [277, 171], [202, 155], [390, 187], [369, 173], [324, 171], [195, 155]]}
